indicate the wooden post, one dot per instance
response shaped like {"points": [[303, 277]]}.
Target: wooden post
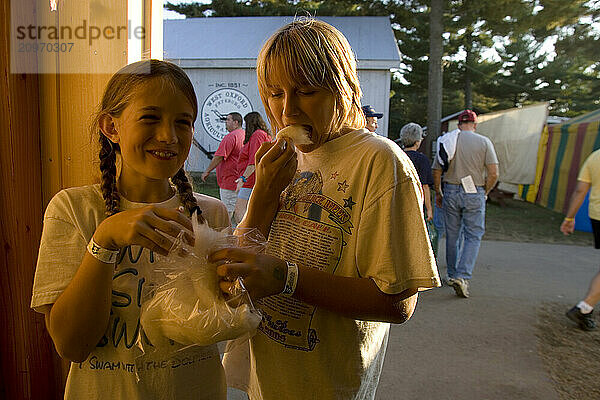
{"points": [[45, 146], [26, 350]]}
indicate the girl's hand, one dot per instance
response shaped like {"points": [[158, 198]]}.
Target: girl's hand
{"points": [[145, 227], [263, 275], [276, 164]]}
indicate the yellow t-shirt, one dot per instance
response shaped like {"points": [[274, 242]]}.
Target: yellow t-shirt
{"points": [[590, 173], [110, 370], [354, 209]]}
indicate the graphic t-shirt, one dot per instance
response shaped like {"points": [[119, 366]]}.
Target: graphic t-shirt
{"points": [[353, 209], [247, 155], [229, 148], [110, 370], [590, 173]]}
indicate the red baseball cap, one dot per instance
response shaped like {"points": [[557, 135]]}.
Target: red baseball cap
{"points": [[467, 116]]}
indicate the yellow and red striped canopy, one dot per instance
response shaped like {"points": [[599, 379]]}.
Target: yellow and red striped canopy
{"points": [[562, 150]]}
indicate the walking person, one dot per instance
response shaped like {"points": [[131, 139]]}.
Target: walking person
{"points": [[347, 245], [226, 159], [411, 137], [587, 181], [472, 172], [99, 244], [257, 133]]}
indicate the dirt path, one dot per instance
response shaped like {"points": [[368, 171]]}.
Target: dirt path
{"points": [[489, 346]]}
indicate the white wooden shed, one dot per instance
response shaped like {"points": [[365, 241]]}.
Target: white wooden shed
{"points": [[219, 55]]}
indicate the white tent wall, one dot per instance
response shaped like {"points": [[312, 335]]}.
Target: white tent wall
{"points": [[516, 135]]}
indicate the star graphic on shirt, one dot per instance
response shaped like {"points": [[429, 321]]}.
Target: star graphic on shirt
{"points": [[334, 175], [342, 186], [348, 203]]}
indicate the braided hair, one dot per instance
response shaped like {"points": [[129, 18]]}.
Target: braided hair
{"points": [[117, 95], [108, 160], [186, 194]]}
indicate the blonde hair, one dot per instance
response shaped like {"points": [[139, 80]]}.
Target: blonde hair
{"points": [[313, 53]]}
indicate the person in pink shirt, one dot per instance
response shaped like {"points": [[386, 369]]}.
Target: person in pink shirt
{"points": [[257, 133], [225, 161]]}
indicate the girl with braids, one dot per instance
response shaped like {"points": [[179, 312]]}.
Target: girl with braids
{"points": [[257, 133], [99, 244]]}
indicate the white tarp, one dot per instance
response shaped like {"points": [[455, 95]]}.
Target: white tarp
{"points": [[516, 135]]}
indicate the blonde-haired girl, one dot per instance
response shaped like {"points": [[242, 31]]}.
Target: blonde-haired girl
{"points": [[99, 244], [348, 248]]}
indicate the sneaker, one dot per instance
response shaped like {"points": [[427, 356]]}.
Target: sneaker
{"points": [[585, 321], [461, 287]]}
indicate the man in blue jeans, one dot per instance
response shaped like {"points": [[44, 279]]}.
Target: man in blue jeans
{"points": [[472, 172]]}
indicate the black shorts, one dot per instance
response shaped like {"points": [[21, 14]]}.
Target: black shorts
{"points": [[596, 230]]}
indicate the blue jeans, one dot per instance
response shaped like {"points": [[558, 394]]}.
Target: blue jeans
{"points": [[438, 220], [466, 211]]}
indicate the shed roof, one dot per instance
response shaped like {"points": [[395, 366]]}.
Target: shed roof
{"points": [[234, 42]]}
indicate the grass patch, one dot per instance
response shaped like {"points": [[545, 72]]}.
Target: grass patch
{"points": [[520, 221], [569, 354], [209, 188]]}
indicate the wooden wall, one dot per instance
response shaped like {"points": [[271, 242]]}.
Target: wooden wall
{"points": [[45, 145]]}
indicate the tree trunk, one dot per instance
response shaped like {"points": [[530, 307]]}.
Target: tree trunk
{"points": [[434, 98], [468, 62]]}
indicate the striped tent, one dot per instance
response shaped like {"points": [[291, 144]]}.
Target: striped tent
{"points": [[562, 150]]}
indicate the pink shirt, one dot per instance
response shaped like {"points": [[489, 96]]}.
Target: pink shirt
{"points": [[247, 155], [229, 149]]}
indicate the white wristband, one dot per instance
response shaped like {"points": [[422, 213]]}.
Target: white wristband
{"points": [[105, 255], [291, 280]]}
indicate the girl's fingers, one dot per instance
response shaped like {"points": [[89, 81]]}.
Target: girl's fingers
{"points": [[233, 270], [262, 150], [150, 245], [292, 163], [174, 215], [288, 155], [170, 227], [159, 242], [231, 254], [226, 287], [279, 151]]}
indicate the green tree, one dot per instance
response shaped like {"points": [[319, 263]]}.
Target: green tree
{"points": [[520, 74], [572, 78]]}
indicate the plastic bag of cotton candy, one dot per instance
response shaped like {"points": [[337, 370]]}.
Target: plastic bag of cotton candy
{"points": [[183, 305]]}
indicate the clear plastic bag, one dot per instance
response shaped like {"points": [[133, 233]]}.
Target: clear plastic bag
{"points": [[184, 306]]}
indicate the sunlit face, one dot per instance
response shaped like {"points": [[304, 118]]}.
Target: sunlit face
{"points": [[231, 124], [371, 124], [291, 103], [154, 132]]}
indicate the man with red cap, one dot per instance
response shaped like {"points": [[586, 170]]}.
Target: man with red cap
{"points": [[471, 171]]}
